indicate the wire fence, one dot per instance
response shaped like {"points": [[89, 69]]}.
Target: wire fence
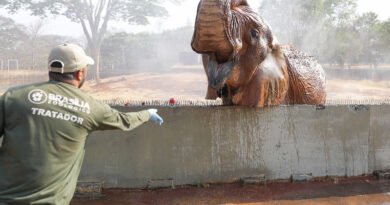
{"points": [[11, 78]]}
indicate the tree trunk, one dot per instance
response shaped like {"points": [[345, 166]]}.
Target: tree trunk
{"points": [[94, 30], [32, 60], [95, 54], [32, 66]]}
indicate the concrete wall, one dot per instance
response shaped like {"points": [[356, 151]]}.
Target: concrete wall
{"points": [[222, 144]]}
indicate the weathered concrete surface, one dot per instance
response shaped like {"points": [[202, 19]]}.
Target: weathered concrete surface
{"points": [[221, 144]]}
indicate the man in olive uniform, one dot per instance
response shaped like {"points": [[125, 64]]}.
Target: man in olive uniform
{"points": [[44, 127]]}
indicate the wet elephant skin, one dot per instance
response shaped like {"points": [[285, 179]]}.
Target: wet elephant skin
{"points": [[244, 63]]}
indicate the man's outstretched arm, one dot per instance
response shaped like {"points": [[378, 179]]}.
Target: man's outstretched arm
{"points": [[113, 119]]}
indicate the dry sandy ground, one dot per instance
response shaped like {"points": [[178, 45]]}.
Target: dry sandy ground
{"points": [[147, 86], [191, 84], [187, 83]]}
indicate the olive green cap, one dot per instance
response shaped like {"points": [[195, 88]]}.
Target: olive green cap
{"points": [[68, 58]]}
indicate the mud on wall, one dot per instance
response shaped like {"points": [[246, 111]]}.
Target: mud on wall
{"points": [[222, 144]]}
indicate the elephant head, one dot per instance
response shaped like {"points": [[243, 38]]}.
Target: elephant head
{"points": [[231, 36], [244, 63]]}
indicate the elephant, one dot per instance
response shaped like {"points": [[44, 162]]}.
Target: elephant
{"points": [[244, 63]]}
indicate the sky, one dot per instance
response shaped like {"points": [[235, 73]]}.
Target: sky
{"points": [[181, 15]]}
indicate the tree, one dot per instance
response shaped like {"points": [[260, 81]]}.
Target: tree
{"points": [[384, 36], [94, 15], [16, 43], [281, 23], [11, 34], [315, 26], [367, 26], [11, 38], [342, 46], [340, 13], [128, 53], [34, 31], [292, 20]]}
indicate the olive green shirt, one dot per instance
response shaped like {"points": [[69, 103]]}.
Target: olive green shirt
{"points": [[44, 129]]}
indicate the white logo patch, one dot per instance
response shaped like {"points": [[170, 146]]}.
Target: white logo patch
{"points": [[37, 97]]}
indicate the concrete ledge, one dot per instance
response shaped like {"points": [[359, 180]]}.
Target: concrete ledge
{"points": [[382, 174], [301, 177], [199, 145], [161, 183], [256, 179], [90, 190]]}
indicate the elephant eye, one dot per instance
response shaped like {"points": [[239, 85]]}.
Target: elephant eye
{"points": [[254, 33]]}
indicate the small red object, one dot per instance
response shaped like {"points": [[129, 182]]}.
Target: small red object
{"points": [[172, 101]]}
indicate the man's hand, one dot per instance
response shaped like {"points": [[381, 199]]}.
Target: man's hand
{"points": [[155, 117]]}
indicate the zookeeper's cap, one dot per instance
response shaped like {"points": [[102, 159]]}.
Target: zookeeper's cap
{"points": [[67, 58]]}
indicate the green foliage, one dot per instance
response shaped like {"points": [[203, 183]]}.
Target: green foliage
{"points": [[330, 29], [384, 35], [132, 11], [339, 12], [93, 16], [15, 43], [11, 34], [146, 52]]}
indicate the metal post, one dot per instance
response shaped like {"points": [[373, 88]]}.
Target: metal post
{"points": [[16, 61]]}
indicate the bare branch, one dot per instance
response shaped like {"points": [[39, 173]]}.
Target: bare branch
{"points": [[86, 32], [106, 20], [98, 15]]}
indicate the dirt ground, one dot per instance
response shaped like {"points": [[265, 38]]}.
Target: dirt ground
{"points": [[353, 191], [186, 83], [179, 84], [191, 84]]}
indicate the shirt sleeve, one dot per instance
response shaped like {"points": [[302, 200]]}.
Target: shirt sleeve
{"points": [[112, 119]]}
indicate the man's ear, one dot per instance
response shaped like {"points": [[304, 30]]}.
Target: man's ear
{"points": [[80, 75]]}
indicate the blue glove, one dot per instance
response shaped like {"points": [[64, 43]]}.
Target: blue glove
{"points": [[155, 117]]}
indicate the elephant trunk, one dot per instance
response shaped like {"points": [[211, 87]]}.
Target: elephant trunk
{"points": [[210, 34]]}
